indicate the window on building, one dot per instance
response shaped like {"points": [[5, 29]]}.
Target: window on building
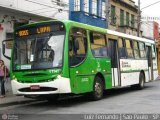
{"points": [[136, 50], [142, 50], [132, 21], [77, 46], [129, 48], [127, 18], [103, 9], [76, 5], [121, 17], [94, 7], [86, 6], [98, 44], [113, 14]]}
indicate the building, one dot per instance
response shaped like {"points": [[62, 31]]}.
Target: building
{"points": [[123, 16], [150, 29], [90, 12]]}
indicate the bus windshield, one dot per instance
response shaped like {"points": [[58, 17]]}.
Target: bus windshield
{"points": [[40, 51]]}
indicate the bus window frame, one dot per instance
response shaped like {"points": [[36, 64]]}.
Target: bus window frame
{"points": [[139, 57], [106, 43], [123, 46], [153, 48], [42, 34], [139, 42], [131, 48], [69, 35]]}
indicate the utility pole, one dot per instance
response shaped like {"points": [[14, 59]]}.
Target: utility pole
{"points": [[139, 19], [107, 12]]}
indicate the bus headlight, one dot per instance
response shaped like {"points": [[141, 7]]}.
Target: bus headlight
{"points": [[14, 77]]}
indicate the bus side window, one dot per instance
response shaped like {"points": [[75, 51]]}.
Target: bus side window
{"points": [[136, 49], [142, 50], [121, 48], [129, 48], [77, 46], [98, 44], [153, 52]]}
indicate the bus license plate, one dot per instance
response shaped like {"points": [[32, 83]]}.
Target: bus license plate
{"points": [[34, 87]]}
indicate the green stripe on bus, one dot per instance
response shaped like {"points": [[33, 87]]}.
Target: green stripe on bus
{"points": [[131, 71]]}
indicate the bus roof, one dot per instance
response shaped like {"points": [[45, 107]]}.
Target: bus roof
{"points": [[110, 32], [130, 36], [89, 27]]}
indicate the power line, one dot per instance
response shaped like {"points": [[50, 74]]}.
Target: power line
{"points": [[38, 9], [59, 9], [150, 5], [46, 11], [42, 4]]}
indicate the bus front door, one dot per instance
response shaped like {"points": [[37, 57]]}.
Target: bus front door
{"points": [[150, 62], [113, 53]]}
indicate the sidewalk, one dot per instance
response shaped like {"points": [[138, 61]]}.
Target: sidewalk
{"points": [[10, 98]]}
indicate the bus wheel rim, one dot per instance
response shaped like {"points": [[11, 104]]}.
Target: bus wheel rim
{"points": [[142, 82], [98, 89]]}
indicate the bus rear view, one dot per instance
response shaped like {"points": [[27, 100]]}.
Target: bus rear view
{"points": [[38, 59]]}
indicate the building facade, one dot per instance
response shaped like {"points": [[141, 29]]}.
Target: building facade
{"points": [[91, 12], [123, 16]]}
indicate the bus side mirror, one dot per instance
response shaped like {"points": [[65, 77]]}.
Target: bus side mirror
{"points": [[7, 47]]}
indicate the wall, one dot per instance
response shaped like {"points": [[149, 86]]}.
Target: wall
{"points": [[149, 29], [48, 8]]}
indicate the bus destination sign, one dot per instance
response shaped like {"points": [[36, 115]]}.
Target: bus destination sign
{"points": [[39, 30]]}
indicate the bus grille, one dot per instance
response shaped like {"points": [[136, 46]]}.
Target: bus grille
{"points": [[42, 89]]}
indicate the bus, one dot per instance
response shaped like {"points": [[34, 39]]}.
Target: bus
{"points": [[55, 57]]}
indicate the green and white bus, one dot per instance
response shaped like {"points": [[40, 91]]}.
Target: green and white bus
{"points": [[61, 57]]}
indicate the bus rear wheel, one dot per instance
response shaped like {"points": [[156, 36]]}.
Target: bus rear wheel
{"points": [[140, 85], [98, 89], [141, 81]]}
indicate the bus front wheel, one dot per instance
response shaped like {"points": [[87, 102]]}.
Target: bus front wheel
{"points": [[98, 89]]}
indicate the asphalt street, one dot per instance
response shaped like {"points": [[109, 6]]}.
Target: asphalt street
{"points": [[116, 101]]}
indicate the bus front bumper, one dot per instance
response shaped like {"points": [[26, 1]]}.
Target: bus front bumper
{"points": [[58, 86]]}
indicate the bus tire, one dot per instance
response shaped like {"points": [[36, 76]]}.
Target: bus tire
{"points": [[140, 85], [141, 81], [98, 89]]}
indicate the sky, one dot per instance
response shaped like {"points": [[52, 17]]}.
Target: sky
{"points": [[152, 11]]}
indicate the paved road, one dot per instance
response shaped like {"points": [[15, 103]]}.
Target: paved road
{"points": [[117, 101]]}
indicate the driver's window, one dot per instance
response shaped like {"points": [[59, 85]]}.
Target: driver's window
{"points": [[77, 46]]}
